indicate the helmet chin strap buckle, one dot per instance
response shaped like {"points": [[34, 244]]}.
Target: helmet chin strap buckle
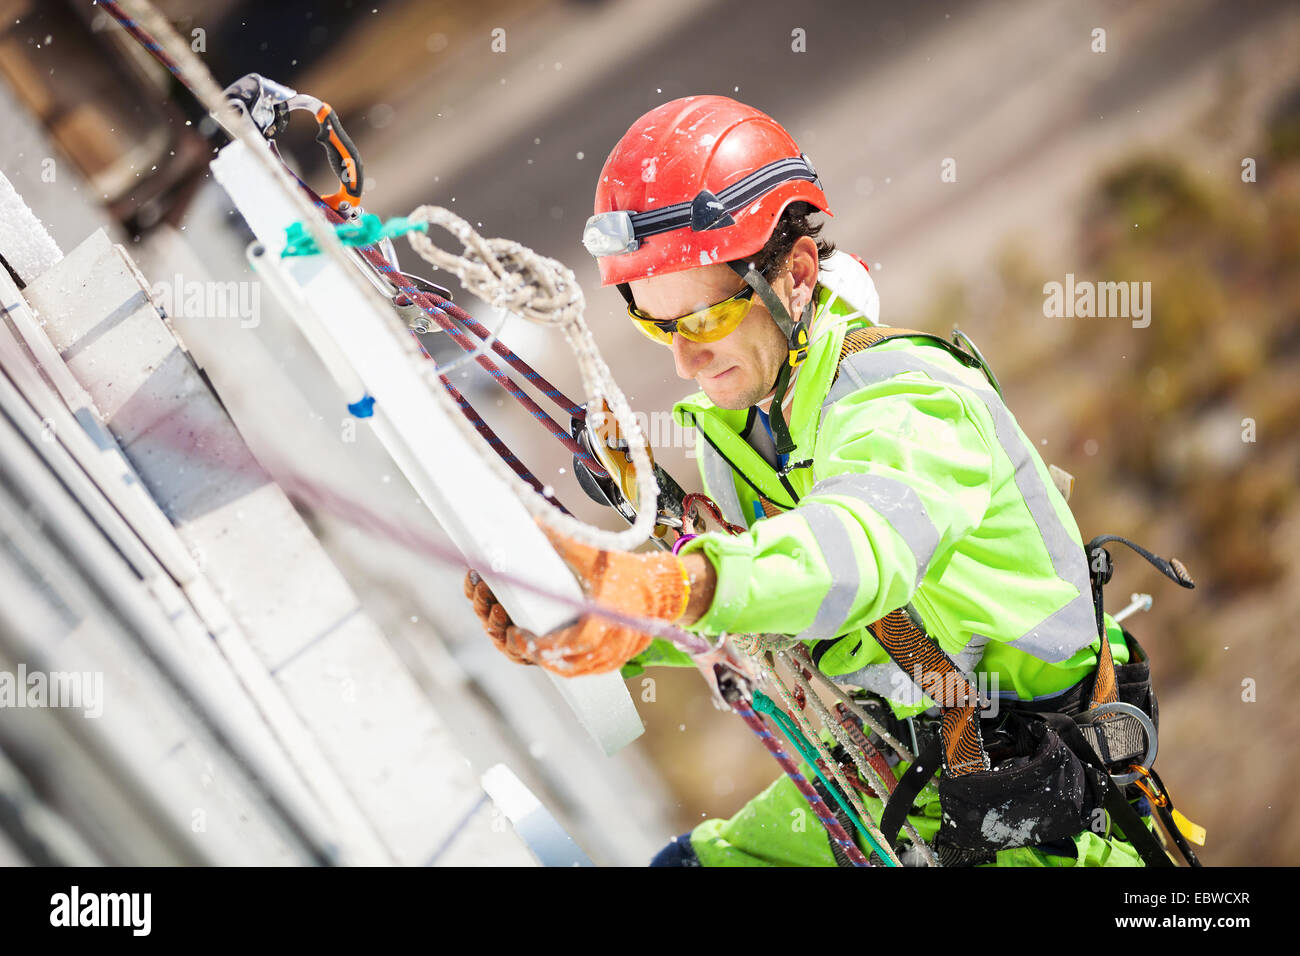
{"points": [[799, 344]]}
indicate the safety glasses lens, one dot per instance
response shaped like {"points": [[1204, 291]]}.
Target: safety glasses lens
{"points": [[712, 324], [652, 331], [707, 325]]}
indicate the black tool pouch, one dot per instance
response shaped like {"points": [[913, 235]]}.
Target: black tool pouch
{"points": [[1035, 792]]}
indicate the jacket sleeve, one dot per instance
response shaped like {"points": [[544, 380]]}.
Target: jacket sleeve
{"points": [[660, 653], [903, 472]]}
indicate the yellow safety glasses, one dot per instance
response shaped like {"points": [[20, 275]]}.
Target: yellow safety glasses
{"points": [[707, 325]]}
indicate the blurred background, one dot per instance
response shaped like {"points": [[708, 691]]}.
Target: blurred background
{"points": [[1155, 142]]}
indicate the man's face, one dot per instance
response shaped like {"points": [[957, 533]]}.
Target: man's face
{"points": [[736, 371]]}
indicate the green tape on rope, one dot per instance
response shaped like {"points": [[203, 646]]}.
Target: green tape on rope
{"points": [[765, 705], [366, 231]]}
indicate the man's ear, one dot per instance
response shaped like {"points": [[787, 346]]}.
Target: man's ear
{"points": [[804, 270]]}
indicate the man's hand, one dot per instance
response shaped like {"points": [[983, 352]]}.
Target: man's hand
{"points": [[495, 620], [640, 585]]}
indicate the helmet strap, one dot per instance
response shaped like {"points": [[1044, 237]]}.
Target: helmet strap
{"points": [[796, 336], [764, 290], [776, 415]]}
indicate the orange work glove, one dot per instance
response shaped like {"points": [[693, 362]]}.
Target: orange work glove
{"points": [[644, 585]]}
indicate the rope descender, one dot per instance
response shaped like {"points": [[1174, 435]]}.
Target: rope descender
{"points": [[268, 104]]}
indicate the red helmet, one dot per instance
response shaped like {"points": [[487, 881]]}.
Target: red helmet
{"points": [[697, 180]]}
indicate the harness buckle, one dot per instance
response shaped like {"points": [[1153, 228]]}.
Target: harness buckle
{"points": [[1114, 741]]}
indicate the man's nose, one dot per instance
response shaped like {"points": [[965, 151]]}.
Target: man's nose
{"points": [[689, 356]]}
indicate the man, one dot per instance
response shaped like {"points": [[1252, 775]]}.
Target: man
{"points": [[891, 477]]}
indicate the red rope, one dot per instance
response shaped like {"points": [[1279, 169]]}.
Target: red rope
{"points": [[442, 311]]}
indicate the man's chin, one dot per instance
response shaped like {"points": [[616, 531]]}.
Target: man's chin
{"points": [[728, 398]]}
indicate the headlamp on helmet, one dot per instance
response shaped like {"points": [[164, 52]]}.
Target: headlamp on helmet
{"points": [[609, 234]]}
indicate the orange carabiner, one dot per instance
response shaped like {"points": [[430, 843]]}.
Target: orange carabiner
{"points": [[1162, 800]]}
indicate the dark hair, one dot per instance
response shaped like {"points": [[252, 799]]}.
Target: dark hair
{"points": [[790, 228]]}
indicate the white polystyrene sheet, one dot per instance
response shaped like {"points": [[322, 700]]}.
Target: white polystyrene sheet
{"points": [[478, 510], [543, 834], [24, 243]]}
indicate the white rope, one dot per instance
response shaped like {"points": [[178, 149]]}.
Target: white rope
{"points": [[756, 645], [514, 278]]}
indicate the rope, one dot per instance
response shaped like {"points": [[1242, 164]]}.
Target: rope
{"points": [[318, 495], [861, 819], [443, 312], [431, 304], [144, 23], [493, 440], [144, 39], [764, 705], [760, 646], [801, 654], [696, 500], [510, 276], [148, 27], [495, 443], [366, 231], [756, 645], [822, 812], [435, 306], [864, 766]]}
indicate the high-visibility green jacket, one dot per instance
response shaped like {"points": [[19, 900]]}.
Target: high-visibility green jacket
{"points": [[922, 488]]}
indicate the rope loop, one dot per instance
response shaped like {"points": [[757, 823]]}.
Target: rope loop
{"points": [[502, 272]]}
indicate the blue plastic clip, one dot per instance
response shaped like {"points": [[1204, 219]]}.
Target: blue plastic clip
{"points": [[363, 407]]}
